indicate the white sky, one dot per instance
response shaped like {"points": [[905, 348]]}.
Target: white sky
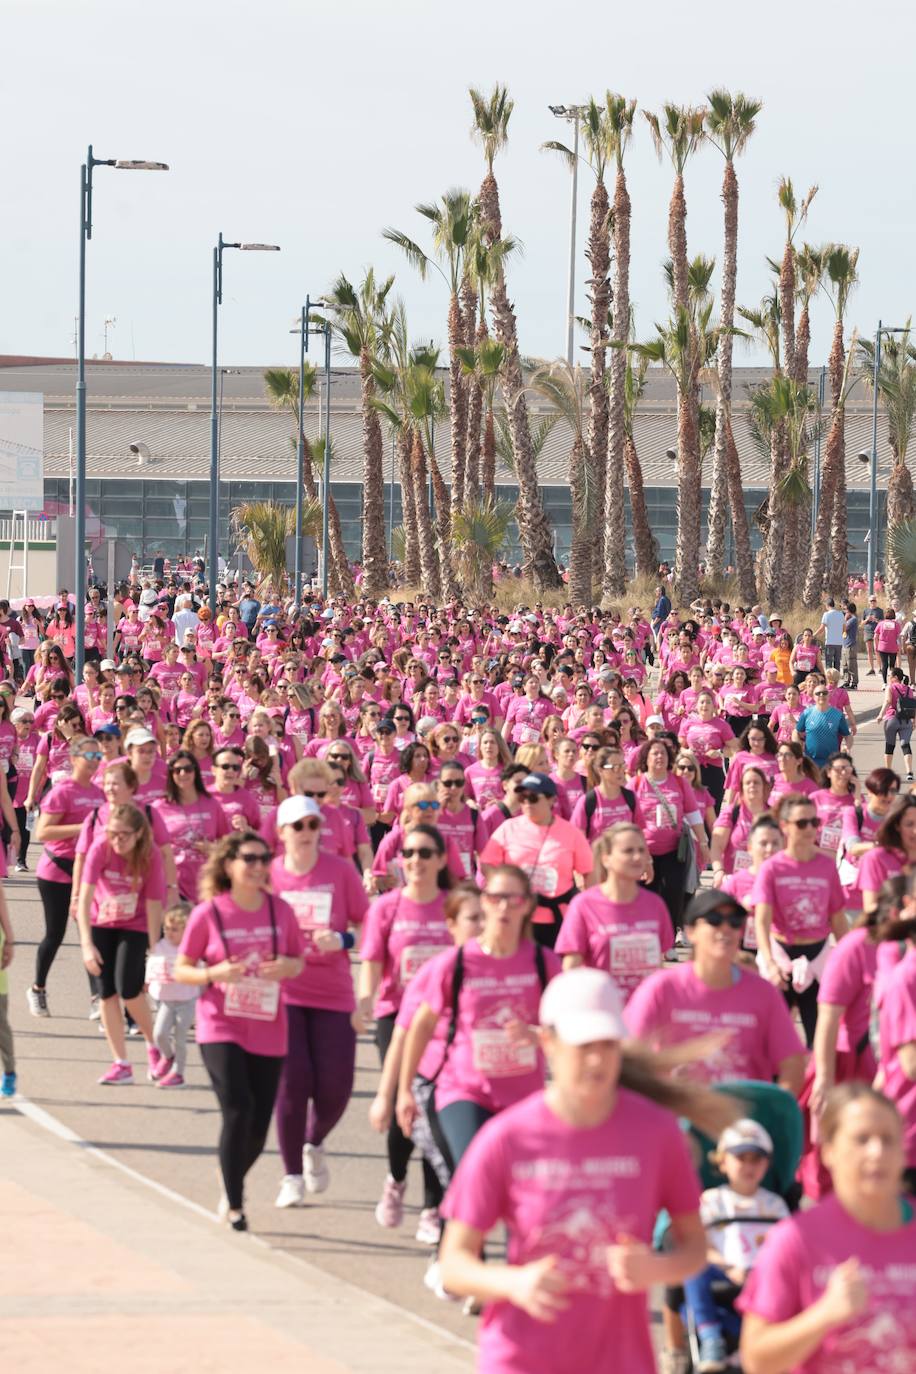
{"points": [[316, 125]]}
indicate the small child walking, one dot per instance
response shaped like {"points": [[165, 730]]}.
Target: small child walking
{"points": [[176, 1001], [7, 1053]]}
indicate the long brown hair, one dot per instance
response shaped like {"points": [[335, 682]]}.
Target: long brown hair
{"points": [[213, 876]]}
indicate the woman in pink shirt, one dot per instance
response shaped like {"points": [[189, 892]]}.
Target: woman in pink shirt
{"points": [[832, 1288], [664, 803], [805, 657], [797, 773], [887, 640], [784, 717], [861, 824], [119, 913], [833, 801], [317, 1080], [193, 819], [897, 727], [712, 739], [578, 1173], [733, 824], [484, 778], [894, 851], [239, 945]]}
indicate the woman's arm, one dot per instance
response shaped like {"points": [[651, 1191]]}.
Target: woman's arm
{"points": [[778, 1347], [536, 1288], [370, 975], [36, 781], [49, 828], [720, 837], [829, 1016], [763, 922], [419, 1035], [635, 1266]]}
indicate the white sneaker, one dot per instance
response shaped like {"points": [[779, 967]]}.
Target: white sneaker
{"points": [[315, 1168], [428, 1228], [37, 999], [292, 1192], [95, 1007]]}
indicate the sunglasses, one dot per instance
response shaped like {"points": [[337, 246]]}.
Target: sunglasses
{"points": [[121, 834], [529, 798], [427, 805], [450, 739], [252, 857], [421, 852], [811, 821], [92, 754], [402, 719], [338, 758], [719, 918], [229, 767], [508, 899], [316, 796], [313, 823], [455, 782], [590, 747], [181, 768]]}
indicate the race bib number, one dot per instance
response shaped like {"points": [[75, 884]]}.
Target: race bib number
{"points": [[414, 957], [496, 1056], [158, 969], [830, 836], [379, 793], [253, 999], [742, 860], [116, 909], [544, 879], [313, 909], [528, 735], [750, 934], [635, 951]]}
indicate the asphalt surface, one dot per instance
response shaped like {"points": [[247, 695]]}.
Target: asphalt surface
{"points": [[169, 1137]]}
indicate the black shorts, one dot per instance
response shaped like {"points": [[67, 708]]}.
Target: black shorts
{"points": [[123, 954]]}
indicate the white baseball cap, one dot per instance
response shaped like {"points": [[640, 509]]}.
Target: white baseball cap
{"points": [[138, 735], [655, 720], [297, 809], [583, 1005], [108, 665], [745, 1136]]}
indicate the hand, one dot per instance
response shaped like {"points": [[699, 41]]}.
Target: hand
{"points": [[329, 942], [92, 959], [276, 969], [538, 1289], [406, 1111], [362, 1018], [228, 971], [380, 1113], [9, 948], [775, 975], [238, 822], [736, 1275], [520, 1033], [846, 1294], [630, 1264]]}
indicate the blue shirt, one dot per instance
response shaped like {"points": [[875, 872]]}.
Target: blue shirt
{"points": [[661, 610], [823, 731]]}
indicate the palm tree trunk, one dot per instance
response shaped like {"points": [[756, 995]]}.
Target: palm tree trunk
{"points": [[718, 497], [838, 577], [341, 578], [408, 508], [776, 516], [615, 566], [429, 563], [677, 242], [598, 252], [580, 553], [488, 457], [787, 309], [791, 546], [834, 460], [448, 582], [457, 403], [374, 552], [475, 421], [645, 546], [900, 506], [744, 557], [533, 525], [687, 547]]}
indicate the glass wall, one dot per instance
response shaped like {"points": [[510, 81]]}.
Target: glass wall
{"points": [[173, 516]]}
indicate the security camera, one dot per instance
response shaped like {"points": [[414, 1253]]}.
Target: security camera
{"points": [[142, 452]]}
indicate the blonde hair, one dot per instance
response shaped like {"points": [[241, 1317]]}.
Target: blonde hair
{"points": [[416, 792], [176, 915], [307, 770], [533, 756], [605, 842]]}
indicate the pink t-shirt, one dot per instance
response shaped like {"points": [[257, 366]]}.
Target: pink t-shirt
{"points": [[876, 867], [250, 938], [401, 935], [484, 1065], [792, 1271], [703, 735], [70, 802], [119, 899], [830, 812], [197, 824], [887, 636], [572, 1192], [897, 1027], [415, 994], [675, 1005], [604, 814], [330, 897], [484, 784], [626, 939], [745, 759], [847, 982], [803, 896], [660, 817], [240, 809], [549, 854]]}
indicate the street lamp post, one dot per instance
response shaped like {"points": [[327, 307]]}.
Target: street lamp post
{"points": [[308, 326], [873, 482], [573, 113], [79, 579], [213, 550]]}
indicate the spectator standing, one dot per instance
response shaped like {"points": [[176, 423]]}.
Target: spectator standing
{"points": [[831, 627], [873, 613], [887, 640], [849, 658]]}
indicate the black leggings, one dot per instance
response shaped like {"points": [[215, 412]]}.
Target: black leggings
{"points": [[712, 777], [24, 833], [888, 661], [805, 1001], [668, 874], [246, 1088], [55, 898], [400, 1146]]}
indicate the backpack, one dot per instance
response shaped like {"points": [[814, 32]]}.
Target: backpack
{"points": [[458, 980], [591, 806], [906, 703]]}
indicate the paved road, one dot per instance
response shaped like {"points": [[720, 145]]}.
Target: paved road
{"points": [[170, 1137]]}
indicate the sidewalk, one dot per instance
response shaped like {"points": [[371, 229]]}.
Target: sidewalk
{"points": [[96, 1268]]}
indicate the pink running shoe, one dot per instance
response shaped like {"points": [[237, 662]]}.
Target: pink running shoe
{"points": [[165, 1067], [170, 1080], [118, 1073], [389, 1211], [154, 1062]]}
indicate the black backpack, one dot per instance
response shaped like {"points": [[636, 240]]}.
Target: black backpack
{"points": [[458, 980], [591, 806]]}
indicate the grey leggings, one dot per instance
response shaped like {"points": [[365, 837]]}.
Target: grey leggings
{"points": [[170, 1033], [896, 729], [7, 1056]]}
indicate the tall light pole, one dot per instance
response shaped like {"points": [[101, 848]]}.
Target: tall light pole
{"points": [[873, 483], [306, 326], [79, 579], [213, 551], [573, 113]]}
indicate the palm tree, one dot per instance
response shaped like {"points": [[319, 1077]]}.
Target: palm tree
{"points": [[563, 387], [897, 388], [485, 365], [264, 527], [730, 122], [491, 119], [796, 213], [765, 323], [479, 533], [785, 405], [840, 274], [282, 385], [678, 132], [645, 545], [809, 268], [359, 318], [452, 228]]}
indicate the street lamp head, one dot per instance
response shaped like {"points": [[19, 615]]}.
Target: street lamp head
{"points": [[138, 165], [260, 247], [559, 110]]}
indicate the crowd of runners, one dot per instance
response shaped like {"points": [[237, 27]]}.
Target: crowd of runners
{"points": [[589, 878]]}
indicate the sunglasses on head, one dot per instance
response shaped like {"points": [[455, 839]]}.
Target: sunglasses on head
{"points": [[721, 918], [312, 823], [421, 852]]}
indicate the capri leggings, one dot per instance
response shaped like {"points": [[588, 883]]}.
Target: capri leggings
{"points": [[55, 899], [246, 1088], [897, 730], [400, 1147], [123, 955]]}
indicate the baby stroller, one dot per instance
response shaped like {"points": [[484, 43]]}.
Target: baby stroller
{"points": [[778, 1112]]}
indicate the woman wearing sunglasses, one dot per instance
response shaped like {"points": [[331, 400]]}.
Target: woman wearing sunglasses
{"points": [[833, 801], [317, 1080], [239, 945], [713, 993], [861, 824], [193, 819], [798, 903], [403, 930], [119, 914], [456, 820], [238, 803], [63, 809], [356, 791], [421, 804], [414, 767]]}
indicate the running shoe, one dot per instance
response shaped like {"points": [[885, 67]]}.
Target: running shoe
{"points": [[222, 1206], [95, 1007], [389, 1211], [20, 868], [713, 1354], [117, 1074], [472, 1307], [428, 1228], [909, 777], [164, 1069], [432, 1280], [292, 1191], [170, 1080], [8, 1085], [315, 1168], [239, 1223], [37, 999], [153, 1063]]}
